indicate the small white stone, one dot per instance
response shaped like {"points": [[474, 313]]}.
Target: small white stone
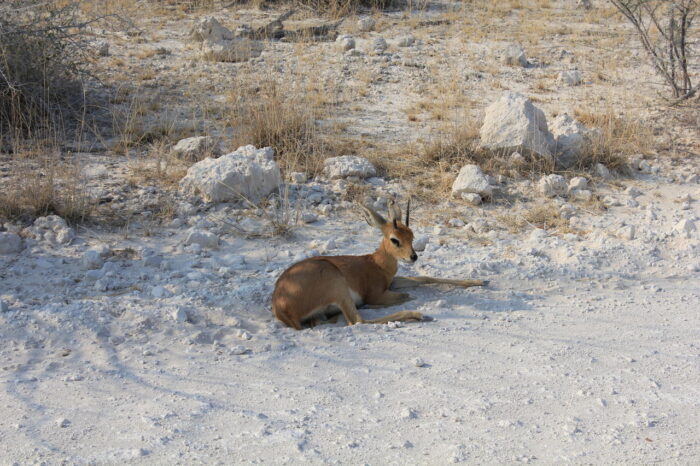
{"points": [[418, 362], [578, 182], [552, 185], [471, 198], [408, 413], [456, 223], [345, 43], [10, 243], [582, 194], [92, 260], [684, 227], [308, 217], [626, 232], [379, 45], [62, 422], [420, 243], [366, 24], [601, 170], [243, 335], [179, 315], [570, 78], [238, 350], [203, 238], [471, 180], [159, 292]]}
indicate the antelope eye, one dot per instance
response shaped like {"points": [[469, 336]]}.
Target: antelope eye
{"points": [[395, 241]]}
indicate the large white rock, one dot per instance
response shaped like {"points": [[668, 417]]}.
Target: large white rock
{"points": [[196, 148], [10, 243], [513, 123], [471, 180], [348, 165], [248, 172], [552, 185], [514, 55], [220, 44], [210, 29], [570, 137], [52, 229]]}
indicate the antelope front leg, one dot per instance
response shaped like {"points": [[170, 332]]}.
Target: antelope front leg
{"points": [[407, 282], [389, 298]]}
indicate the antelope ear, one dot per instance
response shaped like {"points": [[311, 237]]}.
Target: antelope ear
{"points": [[373, 218], [394, 211]]}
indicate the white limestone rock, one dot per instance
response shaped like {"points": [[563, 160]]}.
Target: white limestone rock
{"points": [[570, 138], [366, 24], [552, 185], [345, 42], [10, 243], [196, 148], [248, 172], [379, 45], [205, 239], [52, 229], [578, 182], [209, 29], [513, 123], [684, 228], [570, 78], [513, 55], [471, 198], [471, 180], [626, 232], [348, 165]]}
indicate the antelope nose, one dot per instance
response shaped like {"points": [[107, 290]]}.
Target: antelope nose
{"points": [[414, 256]]}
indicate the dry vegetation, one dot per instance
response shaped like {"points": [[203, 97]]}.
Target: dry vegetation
{"points": [[301, 122]]}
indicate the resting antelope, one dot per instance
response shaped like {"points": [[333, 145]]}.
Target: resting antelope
{"points": [[324, 286]]}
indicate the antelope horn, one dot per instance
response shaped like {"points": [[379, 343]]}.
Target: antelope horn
{"points": [[408, 210]]}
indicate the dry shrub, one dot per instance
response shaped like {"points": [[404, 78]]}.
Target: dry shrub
{"points": [[618, 139], [546, 217], [42, 62], [42, 185], [290, 124]]}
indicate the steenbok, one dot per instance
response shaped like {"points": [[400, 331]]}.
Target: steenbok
{"points": [[319, 288]]}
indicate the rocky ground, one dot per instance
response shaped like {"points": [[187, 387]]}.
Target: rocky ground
{"points": [[150, 340]]}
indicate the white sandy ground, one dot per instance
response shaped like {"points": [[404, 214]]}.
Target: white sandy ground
{"points": [[581, 350]]}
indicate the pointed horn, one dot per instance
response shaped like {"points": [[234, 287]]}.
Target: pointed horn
{"points": [[408, 210]]}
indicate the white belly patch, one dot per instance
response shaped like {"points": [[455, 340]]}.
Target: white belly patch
{"points": [[356, 298]]}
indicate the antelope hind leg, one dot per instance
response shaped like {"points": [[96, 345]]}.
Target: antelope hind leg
{"points": [[407, 282]]}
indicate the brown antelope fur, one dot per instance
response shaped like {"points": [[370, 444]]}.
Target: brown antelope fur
{"points": [[324, 286]]}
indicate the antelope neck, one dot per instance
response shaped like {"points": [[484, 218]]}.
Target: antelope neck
{"points": [[385, 261]]}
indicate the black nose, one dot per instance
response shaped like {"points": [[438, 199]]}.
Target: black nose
{"points": [[414, 257]]}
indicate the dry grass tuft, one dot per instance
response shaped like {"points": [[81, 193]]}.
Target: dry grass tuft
{"points": [[619, 138], [45, 184], [292, 124]]}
